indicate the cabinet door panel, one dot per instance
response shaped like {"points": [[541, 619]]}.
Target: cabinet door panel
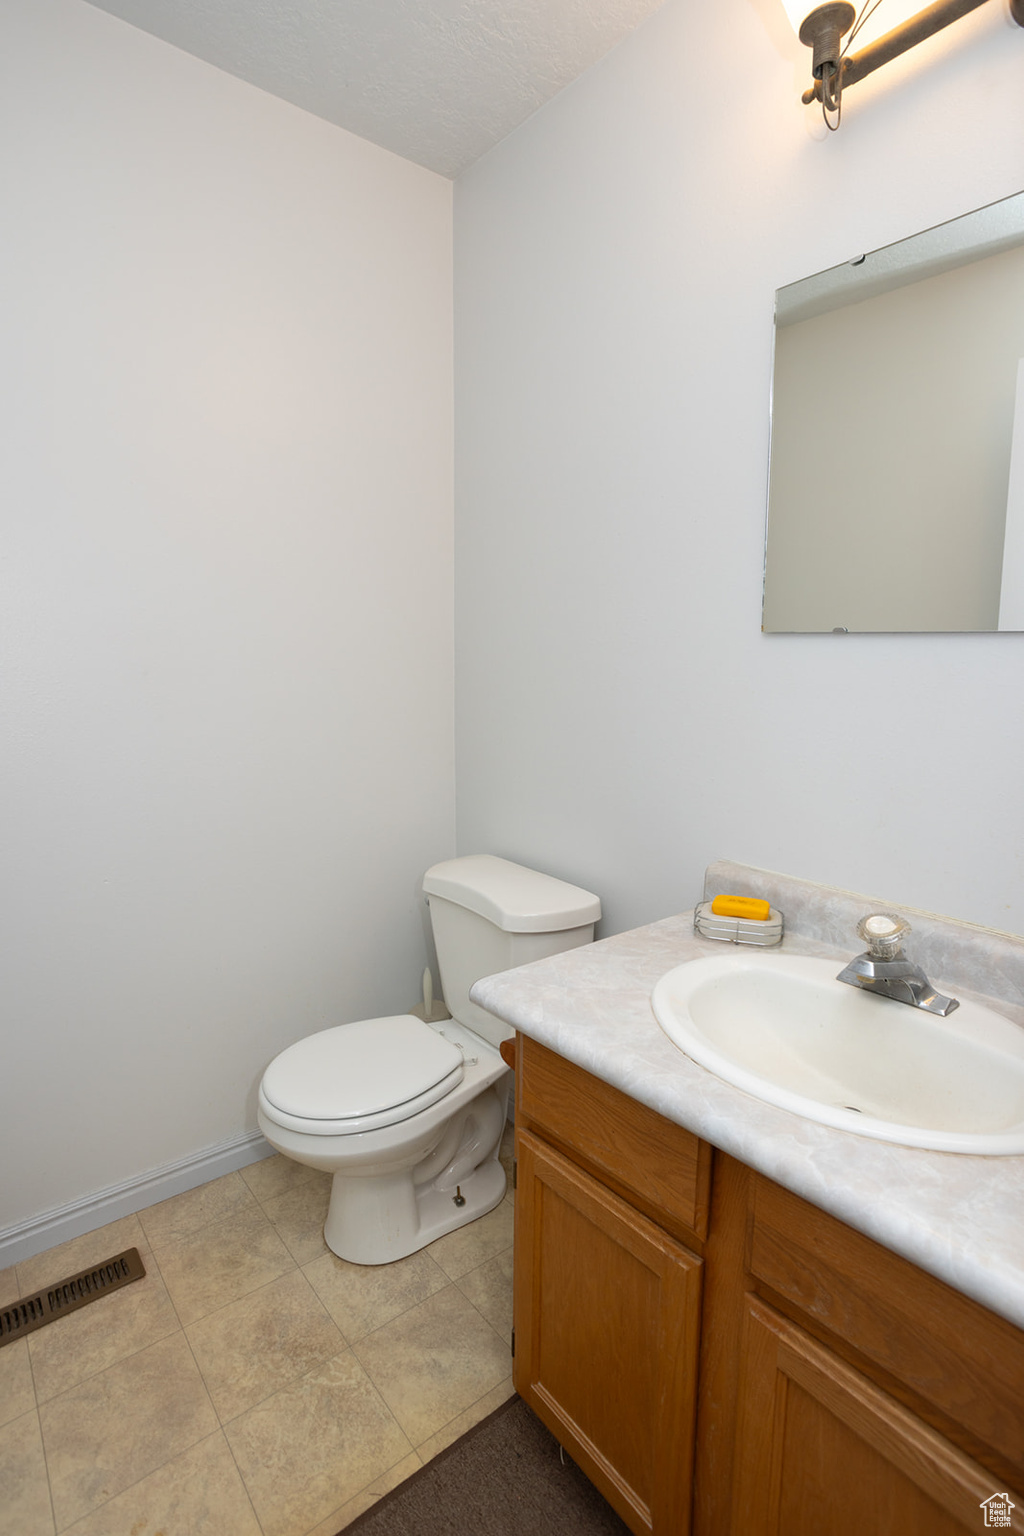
{"points": [[607, 1314], [822, 1449]]}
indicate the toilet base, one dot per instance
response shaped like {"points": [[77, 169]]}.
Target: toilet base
{"points": [[395, 1187], [376, 1221]]}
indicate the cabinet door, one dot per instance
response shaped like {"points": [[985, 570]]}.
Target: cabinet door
{"points": [[822, 1451], [606, 1327]]}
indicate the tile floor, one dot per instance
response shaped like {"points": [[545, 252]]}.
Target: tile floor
{"points": [[252, 1384]]}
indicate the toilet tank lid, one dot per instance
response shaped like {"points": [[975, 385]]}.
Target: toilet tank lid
{"points": [[514, 898]]}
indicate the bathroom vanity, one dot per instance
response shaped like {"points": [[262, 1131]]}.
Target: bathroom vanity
{"points": [[735, 1320]]}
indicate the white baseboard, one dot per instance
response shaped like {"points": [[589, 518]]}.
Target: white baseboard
{"points": [[27, 1238]]}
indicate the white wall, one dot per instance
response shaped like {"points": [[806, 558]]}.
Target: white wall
{"points": [[621, 720], [226, 592]]}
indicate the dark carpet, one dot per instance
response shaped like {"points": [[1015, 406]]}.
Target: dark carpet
{"points": [[505, 1477]]}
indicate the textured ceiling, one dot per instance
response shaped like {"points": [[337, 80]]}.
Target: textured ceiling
{"points": [[438, 81]]}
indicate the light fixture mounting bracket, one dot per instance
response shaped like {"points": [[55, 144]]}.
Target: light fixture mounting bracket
{"points": [[908, 34], [823, 29]]}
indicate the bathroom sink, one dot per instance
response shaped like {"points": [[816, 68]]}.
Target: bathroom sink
{"points": [[782, 1028]]}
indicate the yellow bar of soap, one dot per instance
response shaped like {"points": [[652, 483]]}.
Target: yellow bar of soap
{"points": [[742, 906]]}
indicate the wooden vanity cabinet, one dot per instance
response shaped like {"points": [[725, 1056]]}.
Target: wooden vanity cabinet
{"points": [[607, 1289], [841, 1391]]}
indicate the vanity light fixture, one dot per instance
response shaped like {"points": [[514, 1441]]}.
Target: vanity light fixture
{"points": [[834, 67]]}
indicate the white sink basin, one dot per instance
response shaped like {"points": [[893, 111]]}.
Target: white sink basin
{"points": [[783, 1029]]}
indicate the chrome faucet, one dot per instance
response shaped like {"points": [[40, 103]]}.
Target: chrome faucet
{"points": [[885, 969]]}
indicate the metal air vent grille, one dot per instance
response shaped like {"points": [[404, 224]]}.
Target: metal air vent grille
{"points": [[42, 1307]]}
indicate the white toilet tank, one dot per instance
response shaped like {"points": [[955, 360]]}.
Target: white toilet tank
{"points": [[489, 915]]}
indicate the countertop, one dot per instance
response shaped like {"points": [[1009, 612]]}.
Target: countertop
{"points": [[959, 1217]]}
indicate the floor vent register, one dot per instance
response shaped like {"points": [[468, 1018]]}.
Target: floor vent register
{"points": [[45, 1306]]}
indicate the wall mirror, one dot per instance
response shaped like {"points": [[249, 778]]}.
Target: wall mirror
{"points": [[896, 482]]}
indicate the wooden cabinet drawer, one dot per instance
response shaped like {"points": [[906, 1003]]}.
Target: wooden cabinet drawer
{"points": [[662, 1168], [950, 1353]]}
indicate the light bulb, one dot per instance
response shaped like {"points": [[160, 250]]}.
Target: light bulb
{"points": [[796, 10]]}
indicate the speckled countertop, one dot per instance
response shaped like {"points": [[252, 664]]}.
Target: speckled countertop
{"points": [[959, 1217]]}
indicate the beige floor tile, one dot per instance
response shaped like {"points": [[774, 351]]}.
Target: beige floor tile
{"points": [[199, 1493], [222, 1263], [272, 1176], [362, 1297], [320, 1435], [434, 1361], [299, 1215], [369, 1496], [489, 1288], [257, 1345], [17, 1392], [10, 1286], [79, 1252], [111, 1328], [469, 1246], [314, 1445], [182, 1215], [24, 1494], [465, 1421], [120, 1425]]}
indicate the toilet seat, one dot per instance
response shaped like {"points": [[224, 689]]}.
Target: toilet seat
{"points": [[360, 1077]]}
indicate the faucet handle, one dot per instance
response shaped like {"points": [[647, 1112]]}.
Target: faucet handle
{"points": [[883, 933]]}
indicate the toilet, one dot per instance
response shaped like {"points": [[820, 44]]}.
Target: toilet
{"points": [[408, 1115]]}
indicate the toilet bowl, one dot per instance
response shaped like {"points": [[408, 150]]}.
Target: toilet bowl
{"points": [[407, 1115]]}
